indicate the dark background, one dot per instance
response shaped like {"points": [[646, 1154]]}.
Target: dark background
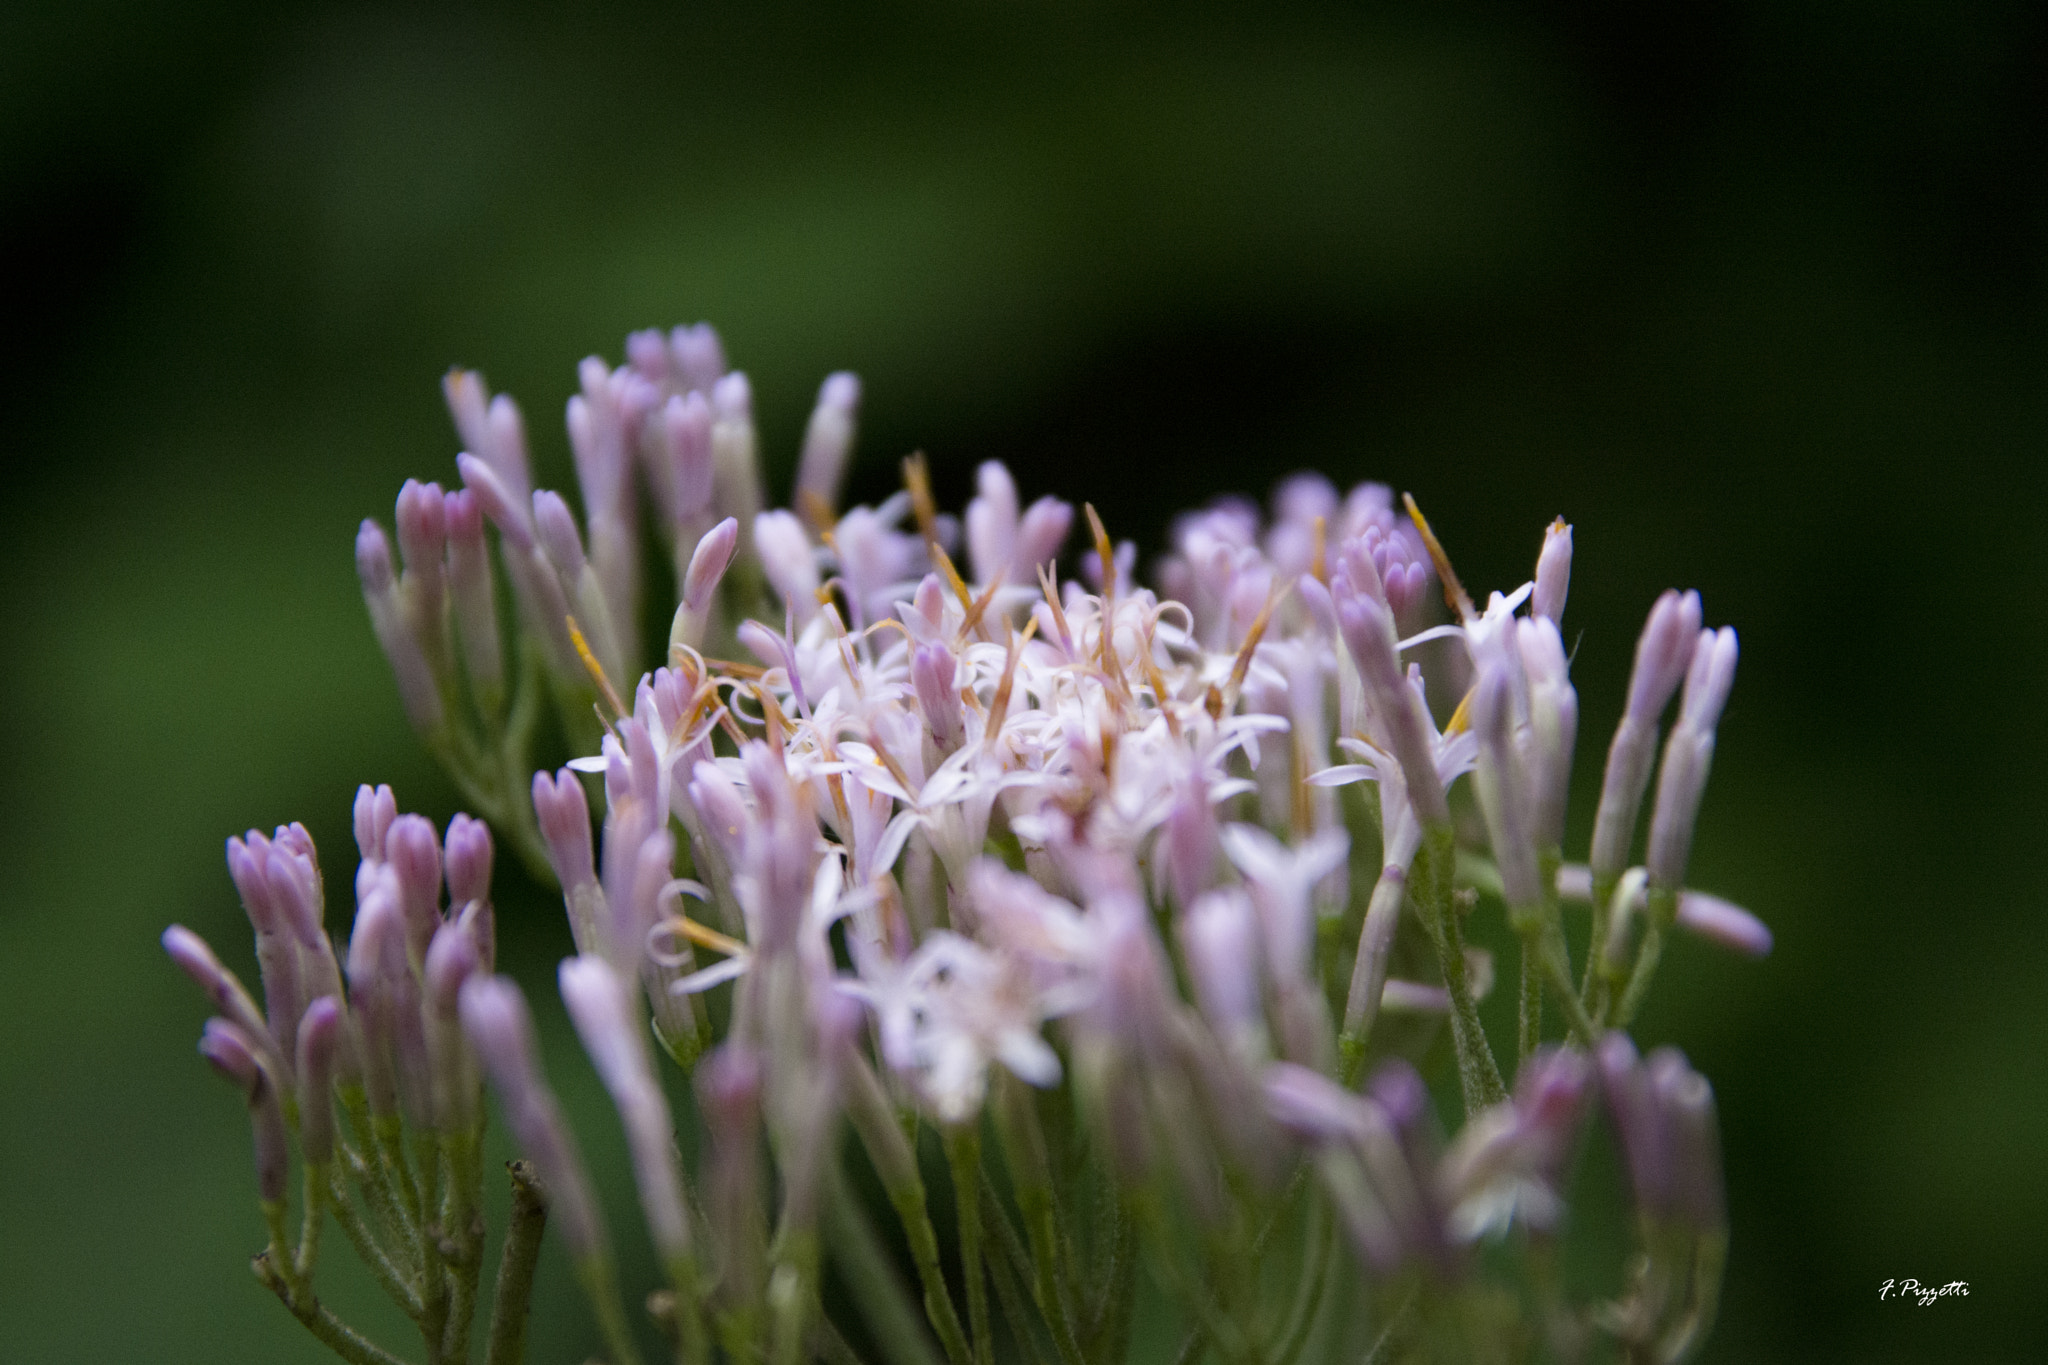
{"points": [[1754, 294]]}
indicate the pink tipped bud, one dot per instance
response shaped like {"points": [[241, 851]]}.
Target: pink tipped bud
{"points": [[786, 558], [475, 594], [1724, 922], [1503, 796], [1368, 631], [469, 861], [932, 670], [1553, 727], [1553, 572], [511, 514], [235, 1057], [564, 815], [828, 440], [708, 563], [698, 356], [194, 958], [423, 539], [1662, 654], [500, 1029], [378, 975], [1219, 935], [1039, 537], [414, 854], [375, 809], [601, 1007], [1312, 1107], [1688, 756], [319, 1037], [417, 688], [992, 523], [686, 446], [647, 352], [556, 526]]}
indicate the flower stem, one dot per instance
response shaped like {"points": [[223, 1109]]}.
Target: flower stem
{"points": [[506, 1344], [1478, 1074], [963, 1154]]}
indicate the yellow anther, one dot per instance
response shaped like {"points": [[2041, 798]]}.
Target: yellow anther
{"points": [[917, 479], [1455, 595], [704, 936], [604, 684], [1104, 550]]}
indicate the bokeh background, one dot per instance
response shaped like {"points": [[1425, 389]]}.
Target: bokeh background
{"points": [[1754, 293]]}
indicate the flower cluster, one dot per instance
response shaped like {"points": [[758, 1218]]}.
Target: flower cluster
{"points": [[1162, 893]]}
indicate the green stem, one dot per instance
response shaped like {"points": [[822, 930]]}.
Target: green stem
{"points": [[309, 1231], [880, 1295], [389, 1276], [506, 1344], [895, 1161], [601, 1286], [1315, 1278], [1478, 1074], [963, 1155], [1529, 1018], [1031, 1178], [344, 1340], [1010, 1268]]}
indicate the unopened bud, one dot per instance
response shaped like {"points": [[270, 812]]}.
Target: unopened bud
{"points": [[402, 649], [500, 1029], [828, 441], [319, 1037], [1553, 572]]}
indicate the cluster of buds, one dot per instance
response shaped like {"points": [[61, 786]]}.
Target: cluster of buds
{"points": [[1159, 899], [361, 1057]]}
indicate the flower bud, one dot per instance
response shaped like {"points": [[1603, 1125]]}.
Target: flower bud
{"points": [[787, 560], [417, 688], [319, 1037], [686, 449], [1553, 572], [698, 355], [708, 563], [375, 809], [235, 1055], [1368, 632], [194, 958], [414, 855], [828, 441], [474, 591], [932, 671], [1662, 655], [500, 1029], [992, 523], [1687, 757], [602, 1009], [469, 861]]}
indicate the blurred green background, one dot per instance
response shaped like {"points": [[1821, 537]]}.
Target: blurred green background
{"points": [[1753, 293]]}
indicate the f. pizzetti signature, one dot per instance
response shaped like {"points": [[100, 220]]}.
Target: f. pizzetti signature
{"points": [[1926, 1293]]}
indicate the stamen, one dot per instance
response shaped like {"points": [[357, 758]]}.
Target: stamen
{"points": [[1251, 642], [1105, 550], [1455, 595], [999, 706], [1461, 719], [704, 936], [951, 575], [590, 662], [1048, 582], [917, 479], [1319, 560], [981, 604], [812, 507]]}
